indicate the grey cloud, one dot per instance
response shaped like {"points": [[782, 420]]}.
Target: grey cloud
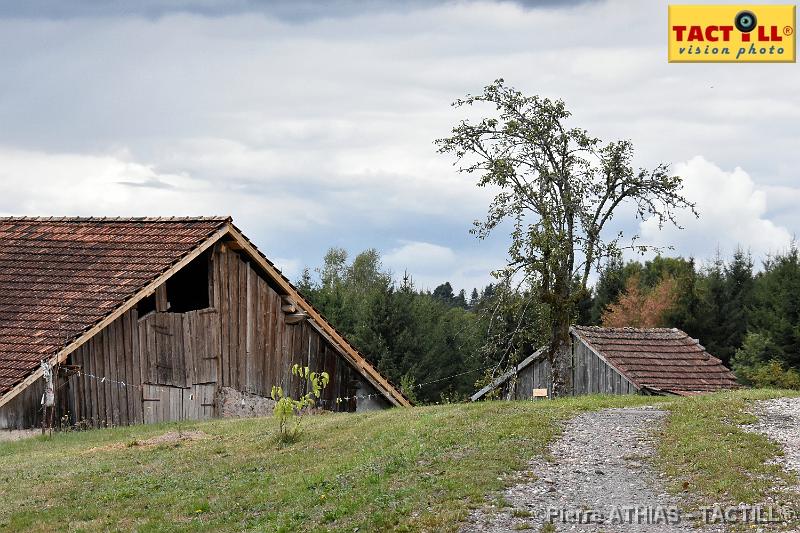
{"points": [[296, 11], [152, 183], [332, 111]]}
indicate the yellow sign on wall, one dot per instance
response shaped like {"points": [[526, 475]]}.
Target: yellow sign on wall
{"points": [[732, 33]]}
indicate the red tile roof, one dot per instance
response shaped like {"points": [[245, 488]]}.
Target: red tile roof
{"points": [[60, 276], [658, 358]]}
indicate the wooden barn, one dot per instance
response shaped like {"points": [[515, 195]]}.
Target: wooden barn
{"points": [[153, 319], [621, 361]]}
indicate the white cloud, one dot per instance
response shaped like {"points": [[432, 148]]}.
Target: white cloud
{"points": [[37, 183], [732, 213], [415, 256], [432, 264], [291, 268]]}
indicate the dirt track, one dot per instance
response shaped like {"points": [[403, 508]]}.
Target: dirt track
{"points": [[779, 419], [599, 464], [17, 434]]}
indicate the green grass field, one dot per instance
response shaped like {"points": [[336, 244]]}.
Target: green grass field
{"points": [[705, 452], [418, 469]]}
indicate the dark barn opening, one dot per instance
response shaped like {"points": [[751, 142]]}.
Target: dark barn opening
{"points": [[188, 289], [146, 305]]}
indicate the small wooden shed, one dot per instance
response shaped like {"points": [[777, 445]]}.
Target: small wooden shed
{"points": [[154, 319], [621, 361]]}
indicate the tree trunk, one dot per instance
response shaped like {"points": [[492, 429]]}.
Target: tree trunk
{"points": [[558, 355]]}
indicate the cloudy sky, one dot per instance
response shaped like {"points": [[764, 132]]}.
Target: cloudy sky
{"points": [[312, 124]]}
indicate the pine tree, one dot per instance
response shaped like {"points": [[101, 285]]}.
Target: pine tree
{"points": [[410, 336], [461, 299], [737, 303], [444, 293], [712, 289], [776, 313], [474, 299]]}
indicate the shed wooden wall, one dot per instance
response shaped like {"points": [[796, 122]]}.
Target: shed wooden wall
{"points": [[591, 374], [173, 364], [534, 376]]}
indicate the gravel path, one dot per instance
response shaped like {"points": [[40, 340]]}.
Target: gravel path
{"points": [[600, 463], [779, 419]]}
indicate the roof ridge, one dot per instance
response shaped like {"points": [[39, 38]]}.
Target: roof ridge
{"points": [[625, 328], [212, 218]]}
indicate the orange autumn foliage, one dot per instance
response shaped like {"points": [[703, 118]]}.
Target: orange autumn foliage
{"points": [[640, 309]]}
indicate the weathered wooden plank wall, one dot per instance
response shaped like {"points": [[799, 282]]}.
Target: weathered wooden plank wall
{"points": [[534, 376], [590, 375], [258, 347], [25, 410]]}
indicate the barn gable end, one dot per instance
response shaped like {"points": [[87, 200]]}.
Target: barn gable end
{"points": [[169, 311]]}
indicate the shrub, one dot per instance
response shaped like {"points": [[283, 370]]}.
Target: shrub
{"points": [[772, 374], [407, 385], [287, 409], [754, 365]]}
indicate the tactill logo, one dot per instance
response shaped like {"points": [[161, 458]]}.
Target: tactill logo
{"points": [[719, 33]]}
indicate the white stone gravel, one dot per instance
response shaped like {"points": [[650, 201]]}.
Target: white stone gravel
{"points": [[779, 419]]}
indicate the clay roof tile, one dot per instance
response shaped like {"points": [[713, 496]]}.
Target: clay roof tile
{"points": [[665, 359]]}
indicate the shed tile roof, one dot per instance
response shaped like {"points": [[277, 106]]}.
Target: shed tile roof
{"points": [[60, 276], [659, 358]]}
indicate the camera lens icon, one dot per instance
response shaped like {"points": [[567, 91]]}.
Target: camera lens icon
{"points": [[745, 21]]}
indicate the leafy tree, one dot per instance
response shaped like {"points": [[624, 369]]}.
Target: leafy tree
{"points": [[686, 313], [410, 336], [754, 352], [641, 308], [515, 323], [559, 187], [444, 293], [407, 385], [755, 365], [772, 374]]}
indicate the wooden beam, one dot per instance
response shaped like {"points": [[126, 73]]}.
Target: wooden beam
{"points": [[62, 355], [349, 353], [296, 318], [534, 357], [162, 303]]}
